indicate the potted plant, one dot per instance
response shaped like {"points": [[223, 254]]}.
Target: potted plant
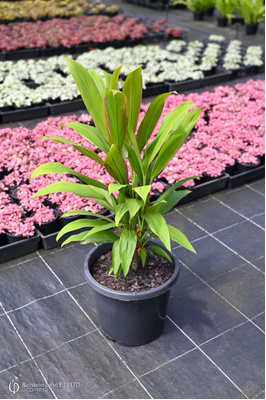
{"points": [[225, 9], [133, 161], [252, 12]]}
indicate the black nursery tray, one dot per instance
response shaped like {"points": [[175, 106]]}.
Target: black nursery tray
{"points": [[18, 249], [206, 188], [182, 86], [246, 177], [155, 89], [24, 54], [220, 76], [24, 113], [66, 106]]}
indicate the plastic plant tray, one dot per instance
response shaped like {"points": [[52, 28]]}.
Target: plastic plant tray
{"points": [[18, 249]]}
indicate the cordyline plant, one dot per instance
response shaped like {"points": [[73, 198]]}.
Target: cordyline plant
{"points": [[116, 114]]}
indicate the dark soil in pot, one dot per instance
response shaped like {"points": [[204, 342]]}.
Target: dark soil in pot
{"points": [[157, 271]]}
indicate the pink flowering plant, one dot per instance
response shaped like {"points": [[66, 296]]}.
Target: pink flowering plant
{"points": [[12, 221], [132, 163]]}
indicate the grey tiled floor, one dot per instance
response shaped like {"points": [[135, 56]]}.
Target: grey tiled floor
{"points": [[213, 342]]}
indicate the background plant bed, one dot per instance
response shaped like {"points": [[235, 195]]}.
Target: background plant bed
{"points": [[219, 77], [24, 113], [189, 84], [245, 177], [19, 249], [154, 89], [66, 106], [23, 54]]}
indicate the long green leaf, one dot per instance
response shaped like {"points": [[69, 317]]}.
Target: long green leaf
{"points": [[87, 213], [143, 256], [116, 257], [134, 156], [101, 237], [160, 251], [178, 236], [107, 78], [87, 152], [91, 134], [120, 211], [172, 200], [92, 88], [150, 120], [143, 191], [115, 165], [175, 141], [74, 238], [58, 168], [127, 247], [133, 91], [172, 188], [99, 228], [114, 78], [78, 224], [113, 187], [115, 116], [157, 224], [133, 206]]}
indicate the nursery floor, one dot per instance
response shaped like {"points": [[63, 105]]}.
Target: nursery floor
{"points": [[213, 342]]}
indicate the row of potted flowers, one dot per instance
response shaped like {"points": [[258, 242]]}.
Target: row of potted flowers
{"points": [[178, 62], [75, 31], [37, 9], [223, 135]]}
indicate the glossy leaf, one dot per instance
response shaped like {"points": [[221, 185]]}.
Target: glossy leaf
{"points": [[120, 211], [172, 200], [107, 77], [92, 89], [99, 228], [172, 188], [114, 78], [133, 91], [101, 237], [150, 120], [133, 206], [160, 251], [115, 165], [115, 116], [78, 224], [178, 236], [114, 187], [157, 224], [143, 256], [116, 257], [87, 152], [88, 213], [127, 246], [143, 191], [91, 134], [74, 238], [58, 168]]}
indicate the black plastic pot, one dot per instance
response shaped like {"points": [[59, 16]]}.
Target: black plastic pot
{"points": [[131, 319], [243, 167], [222, 21], [46, 228], [198, 15], [251, 29]]}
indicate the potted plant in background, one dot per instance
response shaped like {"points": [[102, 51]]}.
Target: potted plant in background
{"points": [[133, 157], [197, 6], [225, 9], [252, 12]]}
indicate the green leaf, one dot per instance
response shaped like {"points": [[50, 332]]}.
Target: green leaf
{"points": [[88, 153], [160, 251], [143, 256], [107, 78], [133, 206], [116, 257], [99, 228], [58, 168], [175, 141], [143, 191], [172, 188], [157, 224], [91, 134], [78, 224], [98, 194], [114, 78], [170, 123], [178, 236], [115, 165], [127, 247], [150, 120], [115, 116], [113, 187], [101, 237], [134, 157], [133, 91], [172, 200], [74, 238], [88, 213], [92, 89], [120, 211]]}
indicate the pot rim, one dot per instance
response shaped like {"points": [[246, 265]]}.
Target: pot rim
{"points": [[101, 249]]}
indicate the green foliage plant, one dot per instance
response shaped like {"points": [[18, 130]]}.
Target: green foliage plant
{"points": [[131, 159], [195, 5], [252, 11], [226, 7]]}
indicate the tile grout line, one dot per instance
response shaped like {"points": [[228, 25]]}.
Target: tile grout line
{"points": [[223, 244], [203, 352], [238, 213], [102, 335], [222, 297], [26, 347], [250, 187]]}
